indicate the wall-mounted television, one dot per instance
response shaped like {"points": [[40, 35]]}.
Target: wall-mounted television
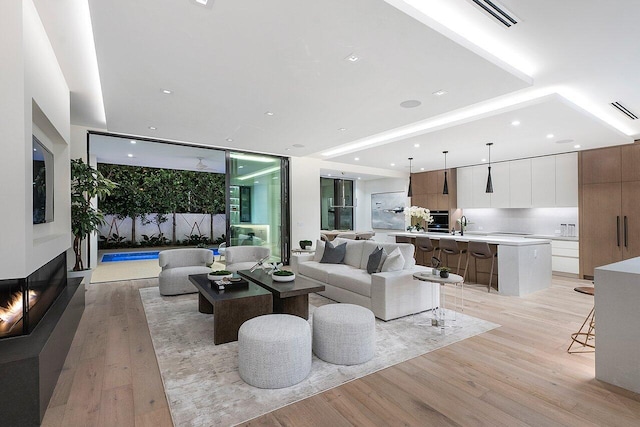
{"points": [[42, 183]]}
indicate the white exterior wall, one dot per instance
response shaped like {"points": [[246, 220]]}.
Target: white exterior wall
{"points": [[33, 90]]}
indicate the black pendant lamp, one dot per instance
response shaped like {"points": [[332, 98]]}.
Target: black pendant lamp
{"points": [[445, 189], [409, 192], [489, 181]]}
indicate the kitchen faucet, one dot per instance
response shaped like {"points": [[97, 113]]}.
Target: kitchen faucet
{"points": [[463, 224]]}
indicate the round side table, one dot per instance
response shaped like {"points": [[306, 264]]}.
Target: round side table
{"points": [[453, 279]]}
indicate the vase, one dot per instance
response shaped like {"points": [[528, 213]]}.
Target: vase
{"points": [[444, 274]]}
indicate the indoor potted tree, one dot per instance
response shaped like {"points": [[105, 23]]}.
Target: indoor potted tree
{"points": [[86, 183]]}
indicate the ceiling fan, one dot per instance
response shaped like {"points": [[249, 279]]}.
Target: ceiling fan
{"points": [[201, 165]]}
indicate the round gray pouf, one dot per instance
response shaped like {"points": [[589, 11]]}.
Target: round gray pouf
{"points": [[274, 351], [344, 334]]}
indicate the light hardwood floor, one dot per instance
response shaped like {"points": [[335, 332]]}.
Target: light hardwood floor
{"points": [[518, 374]]}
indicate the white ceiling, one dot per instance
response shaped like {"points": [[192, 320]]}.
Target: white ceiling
{"points": [[232, 61]]}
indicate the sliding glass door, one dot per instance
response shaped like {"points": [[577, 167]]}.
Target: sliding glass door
{"points": [[257, 212]]}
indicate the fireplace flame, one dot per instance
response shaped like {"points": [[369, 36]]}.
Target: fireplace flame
{"points": [[12, 313]]}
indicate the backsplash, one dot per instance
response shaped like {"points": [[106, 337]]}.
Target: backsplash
{"points": [[542, 221]]}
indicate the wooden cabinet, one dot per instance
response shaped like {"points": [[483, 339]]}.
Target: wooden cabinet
{"points": [[427, 190], [609, 207]]}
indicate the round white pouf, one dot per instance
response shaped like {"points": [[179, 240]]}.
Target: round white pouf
{"points": [[344, 334], [274, 351]]}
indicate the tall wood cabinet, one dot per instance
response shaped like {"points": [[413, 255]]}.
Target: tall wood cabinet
{"points": [[427, 191], [609, 206]]}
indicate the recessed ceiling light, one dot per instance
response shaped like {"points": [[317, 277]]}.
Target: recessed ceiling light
{"points": [[342, 129], [256, 182], [356, 158], [229, 139], [483, 160], [416, 145], [268, 113], [328, 174], [393, 164], [35, 149], [439, 92], [166, 91], [421, 169], [352, 58], [129, 155], [359, 178], [133, 142], [153, 127], [515, 123], [202, 2], [410, 103], [576, 146], [240, 167], [550, 135]]}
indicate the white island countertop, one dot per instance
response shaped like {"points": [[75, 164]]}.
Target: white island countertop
{"points": [[493, 240]]}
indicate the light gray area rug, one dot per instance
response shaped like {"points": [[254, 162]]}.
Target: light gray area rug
{"points": [[201, 380]]}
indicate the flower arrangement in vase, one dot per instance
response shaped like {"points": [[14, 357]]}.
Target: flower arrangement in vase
{"points": [[417, 216]]}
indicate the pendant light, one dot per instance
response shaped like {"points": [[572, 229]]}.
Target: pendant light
{"points": [[445, 189], [489, 181], [409, 192]]}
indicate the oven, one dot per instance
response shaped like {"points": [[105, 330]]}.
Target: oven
{"points": [[440, 222]]}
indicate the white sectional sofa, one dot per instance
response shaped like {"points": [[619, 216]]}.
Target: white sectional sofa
{"points": [[389, 295]]}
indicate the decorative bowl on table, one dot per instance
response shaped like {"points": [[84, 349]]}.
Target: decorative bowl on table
{"points": [[283, 276], [219, 275]]}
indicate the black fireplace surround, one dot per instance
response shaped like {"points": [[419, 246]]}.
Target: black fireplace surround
{"points": [[39, 316]]}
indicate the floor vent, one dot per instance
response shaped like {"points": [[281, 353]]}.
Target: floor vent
{"points": [[624, 110], [497, 12]]}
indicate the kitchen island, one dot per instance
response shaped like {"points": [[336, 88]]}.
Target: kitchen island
{"points": [[524, 264]]}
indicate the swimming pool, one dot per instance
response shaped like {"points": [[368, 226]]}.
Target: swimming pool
{"points": [[135, 256]]}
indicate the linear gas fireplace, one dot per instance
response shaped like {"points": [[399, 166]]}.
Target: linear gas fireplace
{"points": [[23, 302]]}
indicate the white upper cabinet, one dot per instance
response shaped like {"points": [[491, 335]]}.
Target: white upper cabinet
{"points": [[500, 198], [481, 199], [567, 180], [543, 181], [464, 187], [520, 177], [547, 181]]}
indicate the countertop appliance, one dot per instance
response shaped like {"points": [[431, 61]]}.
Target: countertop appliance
{"points": [[440, 222]]}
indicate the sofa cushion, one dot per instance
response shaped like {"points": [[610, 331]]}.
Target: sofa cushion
{"points": [[352, 279], [317, 256], [314, 270], [334, 254], [407, 250], [354, 251], [376, 259], [394, 261]]}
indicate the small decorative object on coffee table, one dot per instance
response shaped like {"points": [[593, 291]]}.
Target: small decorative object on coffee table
{"points": [[444, 272], [305, 243], [283, 276], [219, 275]]}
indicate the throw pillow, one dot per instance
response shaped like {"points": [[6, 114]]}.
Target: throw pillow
{"points": [[319, 251], [333, 255], [394, 262], [375, 260]]}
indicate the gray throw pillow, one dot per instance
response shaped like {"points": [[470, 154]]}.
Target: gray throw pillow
{"points": [[375, 260], [333, 255]]}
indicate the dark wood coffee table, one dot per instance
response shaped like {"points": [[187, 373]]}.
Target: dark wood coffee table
{"points": [[231, 308], [288, 297]]}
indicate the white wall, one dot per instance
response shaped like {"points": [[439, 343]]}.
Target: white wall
{"points": [[363, 213], [305, 199], [543, 221], [33, 90]]}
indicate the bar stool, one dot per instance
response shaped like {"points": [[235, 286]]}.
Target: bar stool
{"points": [[582, 337], [403, 239], [424, 246], [481, 250], [450, 247]]}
